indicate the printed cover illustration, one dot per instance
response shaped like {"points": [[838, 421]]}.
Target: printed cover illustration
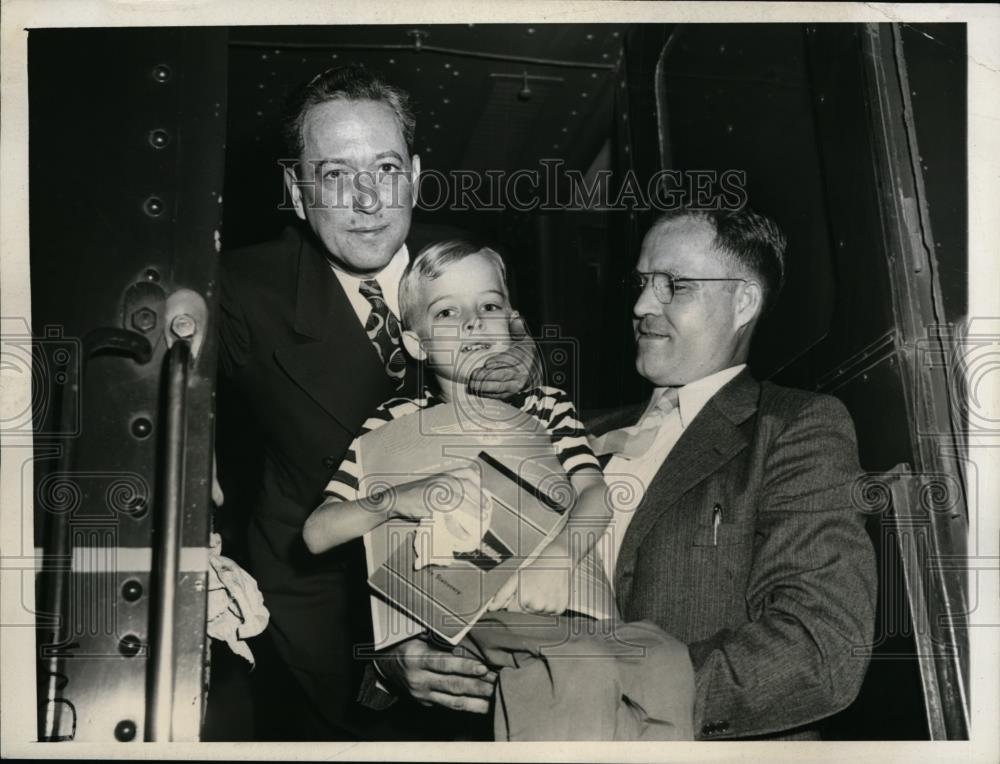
{"points": [[442, 573]]}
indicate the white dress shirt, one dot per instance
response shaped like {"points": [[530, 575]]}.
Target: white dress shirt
{"points": [[388, 278], [637, 473]]}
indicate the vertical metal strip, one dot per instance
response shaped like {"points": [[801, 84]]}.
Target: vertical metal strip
{"points": [[162, 653], [915, 291]]}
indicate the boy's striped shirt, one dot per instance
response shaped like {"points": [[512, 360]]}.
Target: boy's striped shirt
{"points": [[549, 405]]}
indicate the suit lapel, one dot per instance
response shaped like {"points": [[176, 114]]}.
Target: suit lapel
{"points": [[336, 365], [705, 446]]}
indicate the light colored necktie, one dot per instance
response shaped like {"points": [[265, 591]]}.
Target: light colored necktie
{"points": [[633, 442]]}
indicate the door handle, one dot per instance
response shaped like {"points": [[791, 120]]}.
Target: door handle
{"points": [[159, 712]]}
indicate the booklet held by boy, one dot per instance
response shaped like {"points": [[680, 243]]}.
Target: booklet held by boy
{"points": [[441, 573]]}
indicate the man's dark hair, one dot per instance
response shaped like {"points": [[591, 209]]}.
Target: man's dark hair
{"points": [[751, 241], [351, 83]]}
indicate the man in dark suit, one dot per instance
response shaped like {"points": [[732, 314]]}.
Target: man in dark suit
{"points": [[743, 542], [309, 346]]}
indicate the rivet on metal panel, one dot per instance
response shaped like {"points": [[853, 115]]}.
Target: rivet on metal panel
{"points": [[144, 320], [131, 590], [161, 73], [530, 30], [125, 731], [151, 274], [184, 326], [153, 206], [159, 138], [129, 646], [137, 508], [141, 427]]}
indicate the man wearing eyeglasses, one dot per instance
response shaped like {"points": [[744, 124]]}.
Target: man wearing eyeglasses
{"points": [[743, 541]]}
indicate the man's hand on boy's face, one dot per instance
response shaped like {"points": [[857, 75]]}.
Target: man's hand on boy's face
{"points": [[511, 371], [439, 677]]}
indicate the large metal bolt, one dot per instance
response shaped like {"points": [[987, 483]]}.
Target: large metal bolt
{"points": [[129, 646], [144, 320], [184, 326], [125, 731]]}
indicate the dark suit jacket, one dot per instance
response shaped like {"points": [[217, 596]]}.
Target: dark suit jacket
{"points": [[778, 615], [296, 363]]}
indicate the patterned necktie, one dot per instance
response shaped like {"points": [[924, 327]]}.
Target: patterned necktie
{"points": [[633, 442], [383, 330]]}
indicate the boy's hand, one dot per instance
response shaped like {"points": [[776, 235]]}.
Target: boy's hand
{"points": [[515, 369], [541, 587], [441, 492]]}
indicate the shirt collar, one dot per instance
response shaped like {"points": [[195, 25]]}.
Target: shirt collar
{"points": [[388, 278], [693, 396]]}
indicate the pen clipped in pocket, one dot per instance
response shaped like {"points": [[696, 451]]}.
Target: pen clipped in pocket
{"points": [[715, 529]]}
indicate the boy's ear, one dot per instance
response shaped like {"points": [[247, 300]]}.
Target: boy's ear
{"points": [[413, 345]]}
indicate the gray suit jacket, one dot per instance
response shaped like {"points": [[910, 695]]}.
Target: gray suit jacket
{"points": [[777, 605]]}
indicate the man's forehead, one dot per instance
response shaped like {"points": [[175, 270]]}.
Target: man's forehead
{"points": [[679, 243], [353, 123]]}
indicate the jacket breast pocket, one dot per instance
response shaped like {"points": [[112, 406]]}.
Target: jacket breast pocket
{"points": [[727, 534]]}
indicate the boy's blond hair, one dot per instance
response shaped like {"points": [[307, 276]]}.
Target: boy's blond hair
{"points": [[431, 262]]}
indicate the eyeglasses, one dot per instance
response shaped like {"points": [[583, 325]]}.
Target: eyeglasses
{"points": [[665, 286]]}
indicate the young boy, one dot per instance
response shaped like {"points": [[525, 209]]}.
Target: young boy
{"points": [[456, 311], [555, 681]]}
